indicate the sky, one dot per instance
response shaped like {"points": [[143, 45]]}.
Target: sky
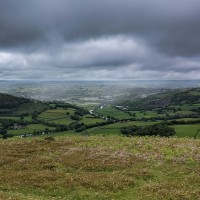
{"points": [[99, 39]]}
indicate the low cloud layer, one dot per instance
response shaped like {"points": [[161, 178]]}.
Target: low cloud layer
{"points": [[98, 40]]}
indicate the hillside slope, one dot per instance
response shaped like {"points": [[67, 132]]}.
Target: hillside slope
{"points": [[161, 100], [8, 101], [100, 168], [10, 104]]}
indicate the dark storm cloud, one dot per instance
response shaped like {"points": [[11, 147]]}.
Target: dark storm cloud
{"points": [[102, 39]]}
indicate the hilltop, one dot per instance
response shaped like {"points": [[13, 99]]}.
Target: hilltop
{"points": [[96, 167]]}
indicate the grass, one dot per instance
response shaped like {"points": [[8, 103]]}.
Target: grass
{"points": [[39, 127], [186, 107], [10, 117], [30, 108], [30, 129], [183, 112], [53, 114], [57, 116], [65, 121], [89, 119], [26, 118], [146, 114], [20, 131], [113, 112], [102, 131], [96, 167], [113, 129], [186, 119], [186, 130]]}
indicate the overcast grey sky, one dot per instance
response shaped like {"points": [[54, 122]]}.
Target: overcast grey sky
{"points": [[99, 39]]}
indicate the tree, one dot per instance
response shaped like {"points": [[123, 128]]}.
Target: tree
{"points": [[75, 117], [4, 133], [153, 130], [46, 130]]}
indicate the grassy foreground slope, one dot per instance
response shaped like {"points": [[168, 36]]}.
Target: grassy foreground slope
{"points": [[96, 167]]}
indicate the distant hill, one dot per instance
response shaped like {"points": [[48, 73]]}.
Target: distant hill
{"points": [[10, 104], [161, 100], [8, 101]]}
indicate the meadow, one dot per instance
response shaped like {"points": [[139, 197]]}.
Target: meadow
{"points": [[102, 168], [112, 112], [29, 129], [147, 114], [57, 116], [113, 129], [90, 119], [186, 130]]}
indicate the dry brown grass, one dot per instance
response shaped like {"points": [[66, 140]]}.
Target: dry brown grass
{"points": [[100, 168]]}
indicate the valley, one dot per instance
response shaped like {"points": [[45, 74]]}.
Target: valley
{"points": [[176, 108], [134, 142]]}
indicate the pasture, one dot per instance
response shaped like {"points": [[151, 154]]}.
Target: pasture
{"points": [[90, 119], [186, 130], [145, 114], [30, 129], [114, 129], [57, 116], [113, 112]]}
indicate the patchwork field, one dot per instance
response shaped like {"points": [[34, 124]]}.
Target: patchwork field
{"points": [[26, 118], [187, 130], [146, 114], [95, 167], [112, 129], [55, 113], [30, 129], [57, 116], [110, 111], [89, 119]]}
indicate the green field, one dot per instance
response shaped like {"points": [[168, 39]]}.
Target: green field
{"points": [[114, 129], [39, 127], [57, 116], [187, 119], [26, 118], [21, 131], [184, 112], [187, 130], [10, 117], [30, 129], [65, 121], [130, 123], [146, 114], [113, 112], [89, 119], [186, 107]]}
